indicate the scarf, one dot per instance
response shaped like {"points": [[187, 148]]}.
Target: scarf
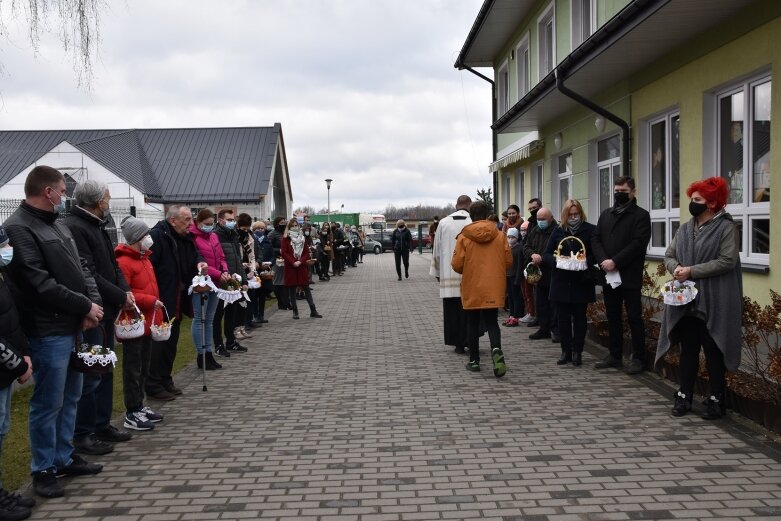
{"points": [[298, 245]]}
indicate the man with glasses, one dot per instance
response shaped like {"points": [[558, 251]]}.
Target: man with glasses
{"points": [[619, 244]]}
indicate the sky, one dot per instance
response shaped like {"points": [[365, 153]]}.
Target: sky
{"points": [[365, 90]]}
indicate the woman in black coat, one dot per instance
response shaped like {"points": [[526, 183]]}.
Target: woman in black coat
{"points": [[571, 291]]}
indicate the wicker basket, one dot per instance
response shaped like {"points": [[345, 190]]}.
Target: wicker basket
{"points": [[129, 325], [311, 262], [93, 359], [675, 293], [532, 273], [266, 275], [573, 261], [162, 331]]}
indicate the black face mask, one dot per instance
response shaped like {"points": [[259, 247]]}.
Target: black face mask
{"points": [[401, 227], [621, 198], [533, 213], [696, 209], [280, 228]]}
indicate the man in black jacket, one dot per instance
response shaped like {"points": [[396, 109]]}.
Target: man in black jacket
{"points": [[536, 241], [176, 261], [619, 244], [401, 240], [226, 231], [57, 298], [87, 222]]}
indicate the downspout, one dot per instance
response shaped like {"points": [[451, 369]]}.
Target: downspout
{"points": [[625, 133], [494, 140]]}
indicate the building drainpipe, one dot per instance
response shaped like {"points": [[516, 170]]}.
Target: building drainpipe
{"points": [[494, 140], [625, 133]]}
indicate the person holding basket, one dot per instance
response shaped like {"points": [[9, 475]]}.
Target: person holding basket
{"points": [[569, 256], [133, 325]]}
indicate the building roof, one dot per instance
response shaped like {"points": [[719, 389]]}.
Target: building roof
{"points": [[167, 165]]}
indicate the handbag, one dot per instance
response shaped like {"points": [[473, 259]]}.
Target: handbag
{"points": [[92, 359], [574, 261]]}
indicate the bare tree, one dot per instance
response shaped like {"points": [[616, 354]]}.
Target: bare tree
{"points": [[76, 23]]}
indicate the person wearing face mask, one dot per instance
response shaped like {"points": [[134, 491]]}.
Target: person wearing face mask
{"points": [[204, 308], [401, 241], [94, 433], [275, 237], [534, 206], [264, 257], [325, 251], [536, 242], [513, 220], [706, 250], [229, 316], [619, 243], [57, 298], [296, 253], [16, 365], [513, 289], [571, 291], [133, 260], [250, 265]]}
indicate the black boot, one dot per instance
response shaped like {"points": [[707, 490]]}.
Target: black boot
{"points": [[682, 404], [577, 358], [211, 363], [714, 407], [565, 358]]}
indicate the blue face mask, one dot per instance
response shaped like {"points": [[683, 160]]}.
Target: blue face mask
{"points": [[60, 207], [6, 255], [206, 228], [231, 225], [543, 225]]}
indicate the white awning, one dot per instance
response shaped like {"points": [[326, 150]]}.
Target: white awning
{"points": [[518, 155]]}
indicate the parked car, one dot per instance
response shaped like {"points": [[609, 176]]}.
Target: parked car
{"points": [[384, 238], [426, 240], [371, 245]]}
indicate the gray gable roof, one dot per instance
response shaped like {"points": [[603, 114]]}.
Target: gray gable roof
{"points": [[167, 165]]}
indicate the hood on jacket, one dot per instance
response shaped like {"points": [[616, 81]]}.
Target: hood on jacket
{"points": [[481, 231], [123, 250]]}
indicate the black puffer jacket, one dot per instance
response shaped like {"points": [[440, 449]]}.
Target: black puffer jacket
{"points": [[401, 239], [623, 237], [536, 242], [233, 250], [175, 260], [96, 249], [53, 287], [13, 343]]}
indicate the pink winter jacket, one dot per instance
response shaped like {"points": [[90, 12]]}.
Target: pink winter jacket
{"points": [[209, 247]]}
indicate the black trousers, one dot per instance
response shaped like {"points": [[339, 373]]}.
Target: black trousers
{"points": [[489, 318], [615, 301], [227, 316], [135, 367], [282, 297], [693, 333], [96, 404], [161, 364], [572, 325], [514, 298], [307, 293], [400, 256], [546, 311]]}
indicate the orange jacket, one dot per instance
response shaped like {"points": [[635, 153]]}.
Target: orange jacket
{"points": [[482, 257]]}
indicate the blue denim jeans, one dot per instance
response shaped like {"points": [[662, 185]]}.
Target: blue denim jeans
{"points": [[203, 339], [53, 403], [5, 421], [97, 394]]}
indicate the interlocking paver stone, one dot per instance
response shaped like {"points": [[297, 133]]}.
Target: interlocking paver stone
{"points": [[365, 415]]}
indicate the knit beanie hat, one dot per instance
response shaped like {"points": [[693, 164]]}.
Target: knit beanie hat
{"points": [[3, 237], [512, 232], [133, 229]]}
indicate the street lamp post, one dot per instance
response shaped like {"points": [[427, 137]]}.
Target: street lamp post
{"points": [[328, 185]]}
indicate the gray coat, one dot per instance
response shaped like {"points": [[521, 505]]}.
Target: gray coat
{"points": [[713, 256]]}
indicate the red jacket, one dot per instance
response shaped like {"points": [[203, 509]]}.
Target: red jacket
{"points": [[295, 276], [208, 245], [140, 276]]}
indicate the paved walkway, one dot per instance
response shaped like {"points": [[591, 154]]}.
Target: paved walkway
{"points": [[365, 415]]}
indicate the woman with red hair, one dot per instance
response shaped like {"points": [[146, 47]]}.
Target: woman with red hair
{"points": [[705, 250]]}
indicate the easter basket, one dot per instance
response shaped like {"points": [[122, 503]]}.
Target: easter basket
{"points": [[230, 290], [202, 284], [676, 293], [532, 273], [311, 262], [92, 359], [129, 324], [162, 331], [574, 261], [253, 282], [267, 275]]}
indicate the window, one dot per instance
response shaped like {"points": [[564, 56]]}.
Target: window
{"points": [[564, 172], [584, 20], [546, 36], [743, 159], [506, 191], [663, 164], [522, 63], [519, 200], [503, 94], [538, 180], [608, 169]]}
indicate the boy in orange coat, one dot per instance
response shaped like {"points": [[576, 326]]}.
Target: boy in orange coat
{"points": [[482, 257]]}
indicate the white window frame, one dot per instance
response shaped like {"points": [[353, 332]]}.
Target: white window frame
{"points": [[746, 211], [523, 66], [503, 89], [547, 16], [668, 215], [505, 190], [538, 180], [519, 185], [576, 21], [560, 176], [610, 164]]}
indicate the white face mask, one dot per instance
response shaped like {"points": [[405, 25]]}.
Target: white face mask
{"points": [[294, 232], [6, 255], [146, 243]]}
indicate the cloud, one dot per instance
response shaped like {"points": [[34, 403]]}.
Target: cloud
{"points": [[365, 91]]}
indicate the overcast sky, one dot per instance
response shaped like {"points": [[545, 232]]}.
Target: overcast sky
{"points": [[365, 90]]}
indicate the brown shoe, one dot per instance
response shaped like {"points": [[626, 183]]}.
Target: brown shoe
{"points": [[163, 396], [174, 390]]}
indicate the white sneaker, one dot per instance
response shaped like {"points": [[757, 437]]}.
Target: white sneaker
{"points": [[138, 421], [151, 415], [526, 318]]}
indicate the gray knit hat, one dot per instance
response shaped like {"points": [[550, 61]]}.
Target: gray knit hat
{"points": [[133, 229]]}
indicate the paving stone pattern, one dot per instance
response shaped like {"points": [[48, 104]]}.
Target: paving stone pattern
{"points": [[366, 415]]}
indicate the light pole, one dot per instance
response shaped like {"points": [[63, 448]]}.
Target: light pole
{"points": [[328, 185]]}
